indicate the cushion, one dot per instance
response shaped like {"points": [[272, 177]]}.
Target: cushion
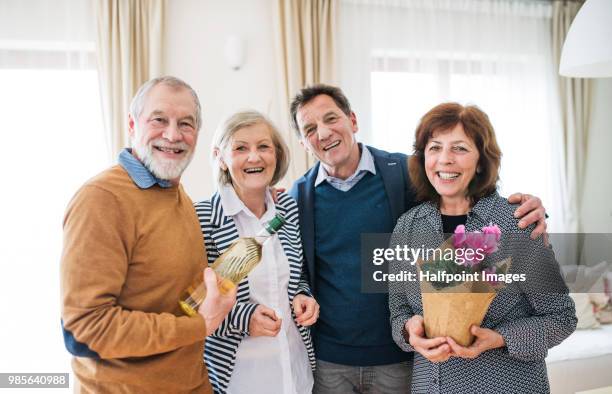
{"points": [[582, 278], [584, 311], [586, 285]]}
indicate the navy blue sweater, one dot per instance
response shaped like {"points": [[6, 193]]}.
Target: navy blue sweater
{"points": [[353, 328]]}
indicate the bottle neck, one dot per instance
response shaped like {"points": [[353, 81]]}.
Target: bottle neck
{"points": [[270, 229], [263, 236]]}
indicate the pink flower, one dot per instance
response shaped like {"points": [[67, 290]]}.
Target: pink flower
{"points": [[476, 245], [486, 241], [472, 258], [459, 236], [474, 250], [492, 235], [475, 240], [492, 229], [489, 244]]}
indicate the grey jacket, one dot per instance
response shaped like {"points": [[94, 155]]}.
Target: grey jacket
{"points": [[532, 316]]}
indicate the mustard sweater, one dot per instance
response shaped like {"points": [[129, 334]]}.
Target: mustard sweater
{"points": [[128, 254]]}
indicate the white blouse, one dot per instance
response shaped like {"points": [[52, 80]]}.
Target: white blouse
{"points": [[268, 365]]}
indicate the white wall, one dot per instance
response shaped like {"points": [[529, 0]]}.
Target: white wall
{"points": [[196, 31], [596, 209]]}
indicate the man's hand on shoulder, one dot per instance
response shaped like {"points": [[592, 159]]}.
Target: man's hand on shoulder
{"points": [[216, 305], [274, 191], [530, 211]]}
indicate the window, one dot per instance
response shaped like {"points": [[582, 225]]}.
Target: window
{"points": [[53, 142], [400, 98], [400, 58]]}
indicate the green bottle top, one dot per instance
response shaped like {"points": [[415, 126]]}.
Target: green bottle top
{"points": [[275, 224]]}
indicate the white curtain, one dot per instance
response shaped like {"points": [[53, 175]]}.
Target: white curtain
{"points": [[571, 141], [572, 137], [52, 128], [399, 58]]}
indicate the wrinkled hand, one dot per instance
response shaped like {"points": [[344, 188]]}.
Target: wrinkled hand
{"points": [[530, 211], [264, 322], [435, 350], [486, 339], [216, 305], [306, 310]]}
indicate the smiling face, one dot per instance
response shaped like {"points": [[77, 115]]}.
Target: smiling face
{"points": [[451, 159], [250, 157], [329, 134], [165, 133]]}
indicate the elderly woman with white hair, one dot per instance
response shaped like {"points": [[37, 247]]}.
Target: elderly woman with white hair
{"points": [[264, 345]]}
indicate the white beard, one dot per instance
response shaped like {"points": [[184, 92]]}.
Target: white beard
{"points": [[166, 169]]}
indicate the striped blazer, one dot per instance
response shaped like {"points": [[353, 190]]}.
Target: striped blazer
{"points": [[219, 233]]}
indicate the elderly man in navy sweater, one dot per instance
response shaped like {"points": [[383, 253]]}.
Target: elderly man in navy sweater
{"points": [[354, 189]]}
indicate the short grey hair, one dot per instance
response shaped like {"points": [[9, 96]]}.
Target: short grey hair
{"points": [[240, 120], [137, 104]]}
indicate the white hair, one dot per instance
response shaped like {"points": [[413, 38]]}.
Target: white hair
{"points": [[230, 126], [162, 169], [137, 104]]}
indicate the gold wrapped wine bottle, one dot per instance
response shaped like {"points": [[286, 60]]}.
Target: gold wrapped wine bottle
{"points": [[232, 266]]}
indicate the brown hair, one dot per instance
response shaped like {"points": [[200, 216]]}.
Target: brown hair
{"points": [[477, 127], [309, 93]]}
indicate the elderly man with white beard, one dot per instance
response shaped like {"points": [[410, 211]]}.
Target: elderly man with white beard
{"points": [[132, 244]]}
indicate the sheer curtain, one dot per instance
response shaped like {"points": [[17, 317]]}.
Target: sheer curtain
{"points": [[399, 58], [54, 141], [572, 137]]}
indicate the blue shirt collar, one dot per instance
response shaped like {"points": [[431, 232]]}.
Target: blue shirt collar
{"points": [[366, 163], [141, 176]]}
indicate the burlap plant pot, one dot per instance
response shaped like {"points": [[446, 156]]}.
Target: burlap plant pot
{"points": [[448, 312], [453, 310]]}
